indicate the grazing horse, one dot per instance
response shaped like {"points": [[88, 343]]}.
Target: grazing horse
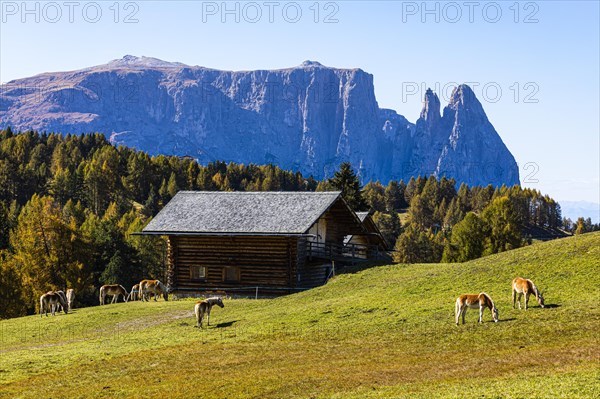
{"points": [[70, 297], [112, 289], [475, 301], [58, 307], [134, 294], [522, 286], [52, 299], [155, 287], [204, 307]]}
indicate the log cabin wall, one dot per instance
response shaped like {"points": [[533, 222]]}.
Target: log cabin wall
{"points": [[309, 274], [234, 261]]}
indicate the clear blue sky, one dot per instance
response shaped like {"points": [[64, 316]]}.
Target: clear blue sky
{"points": [[542, 56]]}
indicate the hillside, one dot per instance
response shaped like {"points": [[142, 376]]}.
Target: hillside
{"points": [[383, 332]]}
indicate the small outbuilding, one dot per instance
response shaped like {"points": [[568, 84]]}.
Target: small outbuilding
{"points": [[235, 241], [369, 245]]}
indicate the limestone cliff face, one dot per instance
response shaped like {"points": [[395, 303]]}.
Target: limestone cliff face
{"points": [[308, 118]]}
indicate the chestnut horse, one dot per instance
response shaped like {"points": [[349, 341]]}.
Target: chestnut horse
{"points": [[112, 289], [522, 286], [204, 307], [155, 287], [475, 301], [52, 299]]}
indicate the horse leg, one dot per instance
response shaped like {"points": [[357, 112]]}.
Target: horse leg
{"points": [[208, 315], [514, 298], [527, 299], [481, 313], [457, 312], [519, 299], [464, 312], [197, 312]]}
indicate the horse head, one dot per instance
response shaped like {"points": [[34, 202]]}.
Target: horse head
{"points": [[495, 314], [165, 290], [540, 299], [220, 302]]}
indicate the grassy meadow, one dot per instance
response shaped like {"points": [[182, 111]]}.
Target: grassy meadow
{"points": [[385, 332]]}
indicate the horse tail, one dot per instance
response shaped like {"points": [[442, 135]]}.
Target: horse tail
{"points": [[101, 295], [197, 312]]}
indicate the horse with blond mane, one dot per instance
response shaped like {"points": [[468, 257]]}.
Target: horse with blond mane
{"points": [[475, 301], [155, 287], [53, 300], [112, 289], [522, 286], [204, 307]]}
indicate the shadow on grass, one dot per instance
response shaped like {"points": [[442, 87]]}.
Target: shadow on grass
{"points": [[226, 324], [552, 306], [509, 319], [360, 266]]}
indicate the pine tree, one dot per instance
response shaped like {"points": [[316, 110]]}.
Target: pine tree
{"points": [[374, 196], [409, 192], [504, 231], [394, 196], [347, 182], [389, 226], [163, 192], [172, 187], [415, 246], [466, 241], [151, 206]]}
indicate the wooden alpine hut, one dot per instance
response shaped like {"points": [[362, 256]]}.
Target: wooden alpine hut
{"points": [[234, 241]]}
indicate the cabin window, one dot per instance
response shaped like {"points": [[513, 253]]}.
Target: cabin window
{"points": [[231, 274], [198, 272]]}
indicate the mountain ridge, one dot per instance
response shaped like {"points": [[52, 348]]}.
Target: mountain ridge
{"points": [[309, 118]]}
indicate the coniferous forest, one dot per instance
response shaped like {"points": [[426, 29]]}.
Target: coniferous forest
{"points": [[69, 205]]}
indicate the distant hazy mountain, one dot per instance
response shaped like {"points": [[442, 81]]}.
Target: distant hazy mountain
{"points": [[308, 118], [576, 209]]}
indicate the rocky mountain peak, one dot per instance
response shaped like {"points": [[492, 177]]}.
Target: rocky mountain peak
{"points": [[431, 107], [308, 64], [463, 97], [132, 61]]}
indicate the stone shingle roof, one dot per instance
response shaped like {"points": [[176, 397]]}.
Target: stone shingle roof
{"points": [[214, 212]]}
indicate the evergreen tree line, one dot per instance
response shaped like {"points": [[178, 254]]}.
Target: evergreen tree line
{"points": [[442, 224], [68, 206]]}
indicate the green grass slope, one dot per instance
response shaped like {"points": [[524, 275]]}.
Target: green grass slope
{"points": [[386, 332]]}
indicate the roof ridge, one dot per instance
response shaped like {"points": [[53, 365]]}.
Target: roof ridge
{"points": [[260, 192], [279, 212]]}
